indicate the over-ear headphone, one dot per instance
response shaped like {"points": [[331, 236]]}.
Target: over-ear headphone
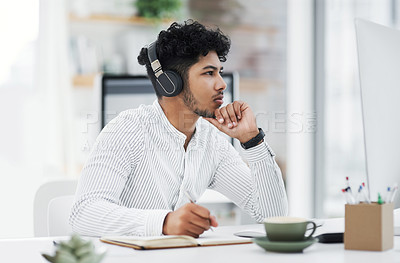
{"points": [[168, 83]]}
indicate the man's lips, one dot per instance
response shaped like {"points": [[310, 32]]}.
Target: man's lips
{"points": [[219, 99]]}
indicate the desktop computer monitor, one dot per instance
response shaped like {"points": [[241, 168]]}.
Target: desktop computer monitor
{"points": [[122, 92], [379, 67]]}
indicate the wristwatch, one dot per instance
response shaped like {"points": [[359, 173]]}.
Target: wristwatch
{"points": [[255, 140]]}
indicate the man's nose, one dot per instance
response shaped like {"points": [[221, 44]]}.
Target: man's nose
{"points": [[221, 85]]}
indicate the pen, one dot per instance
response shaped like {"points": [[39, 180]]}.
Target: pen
{"points": [[366, 198], [388, 195], [349, 197], [189, 196], [366, 195], [348, 184], [360, 196], [193, 201], [394, 192]]}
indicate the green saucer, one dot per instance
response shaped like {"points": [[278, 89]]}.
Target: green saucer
{"points": [[283, 246]]}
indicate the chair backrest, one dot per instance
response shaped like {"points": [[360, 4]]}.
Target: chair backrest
{"points": [[58, 214], [44, 195]]}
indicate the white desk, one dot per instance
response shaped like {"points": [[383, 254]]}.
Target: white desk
{"points": [[28, 250]]}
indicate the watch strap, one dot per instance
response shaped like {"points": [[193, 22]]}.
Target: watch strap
{"points": [[255, 140]]}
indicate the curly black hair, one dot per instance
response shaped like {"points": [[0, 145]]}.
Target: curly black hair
{"points": [[181, 45]]}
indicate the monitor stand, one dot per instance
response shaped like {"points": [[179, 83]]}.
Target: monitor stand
{"points": [[396, 218]]}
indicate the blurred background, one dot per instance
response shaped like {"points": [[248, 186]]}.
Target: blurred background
{"points": [[297, 62]]}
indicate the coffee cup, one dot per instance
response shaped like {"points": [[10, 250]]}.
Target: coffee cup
{"points": [[288, 228]]}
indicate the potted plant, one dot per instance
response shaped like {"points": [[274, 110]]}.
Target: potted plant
{"points": [[158, 9]]}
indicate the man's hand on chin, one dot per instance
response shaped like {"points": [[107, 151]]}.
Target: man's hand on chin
{"points": [[237, 120]]}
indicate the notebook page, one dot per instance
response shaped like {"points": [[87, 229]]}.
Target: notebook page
{"points": [[220, 239], [153, 242]]}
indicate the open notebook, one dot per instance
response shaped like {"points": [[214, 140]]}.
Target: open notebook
{"points": [[179, 241]]}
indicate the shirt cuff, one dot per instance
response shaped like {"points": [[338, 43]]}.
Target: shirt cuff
{"points": [[155, 221], [258, 152]]}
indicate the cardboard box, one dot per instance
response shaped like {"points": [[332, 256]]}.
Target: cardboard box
{"points": [[369, 227]]}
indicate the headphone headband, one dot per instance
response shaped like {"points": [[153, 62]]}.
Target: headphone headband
{"points": [[154, 62]]}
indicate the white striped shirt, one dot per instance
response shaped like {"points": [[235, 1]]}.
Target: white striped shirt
{"points": [[139, 170]]}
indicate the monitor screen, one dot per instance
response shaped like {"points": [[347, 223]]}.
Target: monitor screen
{"points": [[379, 64], [122, 92]]}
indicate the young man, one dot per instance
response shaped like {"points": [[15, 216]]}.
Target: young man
{"points": [[146, 163]]}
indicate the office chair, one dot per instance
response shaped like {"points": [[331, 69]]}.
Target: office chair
{"points": [[52, 205]]}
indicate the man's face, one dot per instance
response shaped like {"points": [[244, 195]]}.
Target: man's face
{"points": [[204, 92]]}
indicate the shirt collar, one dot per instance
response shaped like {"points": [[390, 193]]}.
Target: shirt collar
{"points": [[171, 129], [165, 122]]}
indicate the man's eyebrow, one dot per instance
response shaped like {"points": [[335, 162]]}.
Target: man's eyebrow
{"points": [[212, 67]]}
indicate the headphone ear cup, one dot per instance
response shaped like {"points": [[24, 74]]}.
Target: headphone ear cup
{"points": [[169, 84], [177, 80]]}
